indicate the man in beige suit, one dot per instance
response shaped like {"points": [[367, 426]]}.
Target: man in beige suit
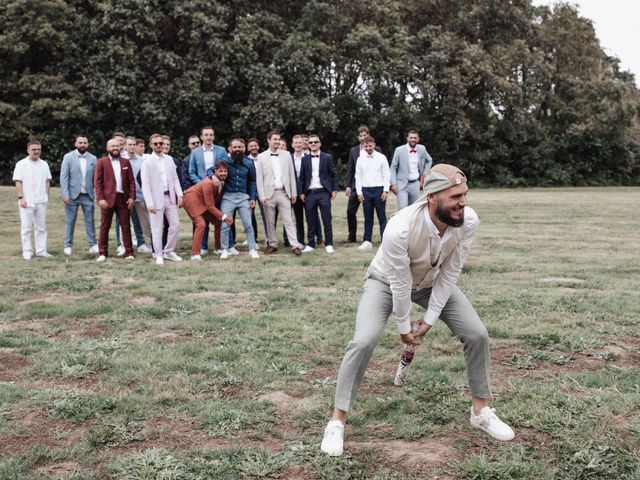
{"points": [[276, 183]]}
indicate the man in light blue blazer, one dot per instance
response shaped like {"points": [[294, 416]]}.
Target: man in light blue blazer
{"points": [[76, 185], [202, 159], [410, 164]]}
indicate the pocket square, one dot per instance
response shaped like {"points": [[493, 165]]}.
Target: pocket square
{"points": [[125, 168]]}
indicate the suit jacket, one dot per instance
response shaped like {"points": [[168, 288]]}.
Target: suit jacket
{"points": [[71, 175], [400, 164], [264, 175], [202, 197], [104, 181], [197, 171], [152, 186], [328, 174], [186, 181], [350, 176]]}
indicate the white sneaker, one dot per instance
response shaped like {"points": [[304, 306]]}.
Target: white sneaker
{"points": [[159, 260], [329, 248], [67, 251], [217, 252], [144, 249], [121, 251], [44, 255], [204, 251], [134, 241], [233, 251], [224, 255], [27, 256], [245, 243], [196, 257], [365, 246], [333, 440], [94, 249], [101, 259], [129, 258], [489, 422], [172, 256], [307, 249], [254, 254]]}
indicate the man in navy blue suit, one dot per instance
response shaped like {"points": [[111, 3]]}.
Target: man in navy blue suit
{"points": [[318, 186]]}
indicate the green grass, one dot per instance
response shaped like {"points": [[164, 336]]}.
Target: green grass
{"points": [[227, 369]]}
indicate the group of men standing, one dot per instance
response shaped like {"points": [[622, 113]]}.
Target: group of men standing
{"points": [[147, 190]]}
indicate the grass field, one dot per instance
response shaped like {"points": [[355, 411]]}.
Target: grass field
{"points": [[226, 370]]}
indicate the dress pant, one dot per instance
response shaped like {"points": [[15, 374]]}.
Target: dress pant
{"points": [[279, 203], [352, 219], [33, 218], [106, 216], [299, 214], [409, 194], [140, 220], [374, 309], [137, 228], [71, 215], [170, 212], [200, 223], [372, 201], [314, 200]]}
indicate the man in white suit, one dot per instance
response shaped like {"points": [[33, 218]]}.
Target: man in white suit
{"points": [[409, 165], [76, 186], [163, 195], [276, 184]]}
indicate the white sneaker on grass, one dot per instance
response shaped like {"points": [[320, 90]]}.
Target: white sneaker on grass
{"points": [[144, 249], [101, 259], [254, 254], [329, 249], [365, 246], [27, 256], [159, 260], [172, 256], [121, 251], [333, 440], [196, 257], [224, 255], [489, 422], [308, 249], [94, 249], [233, 251], [67, 251], [44, 255]]}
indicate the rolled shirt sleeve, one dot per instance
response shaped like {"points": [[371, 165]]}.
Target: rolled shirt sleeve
{"points": [[395, 244]]}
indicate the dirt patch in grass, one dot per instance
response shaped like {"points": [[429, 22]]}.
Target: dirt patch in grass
{"points": [[319, 289], [142, 301], [412, 455], [37, 428], [283, 402], [59, 469], [31, 326], [52, 297], [171, 337], [10, 365], [561, 280]]}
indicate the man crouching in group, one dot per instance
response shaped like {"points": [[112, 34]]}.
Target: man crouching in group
{"points": [[420, 259]]}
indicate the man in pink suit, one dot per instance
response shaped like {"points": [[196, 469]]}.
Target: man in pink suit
{"points": [[163, 195]]}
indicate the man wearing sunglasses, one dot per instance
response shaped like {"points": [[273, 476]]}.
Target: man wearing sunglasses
{"points": [[318, 186]]}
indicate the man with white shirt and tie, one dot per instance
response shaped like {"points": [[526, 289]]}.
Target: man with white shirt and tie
{"points": [[372, 186], [76, 186], [139, 213], [276, 184], [409, 165], [163, 195]]}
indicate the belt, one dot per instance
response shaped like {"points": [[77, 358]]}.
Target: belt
{"points": [[167, 192], [315, 190], [414, 180]]}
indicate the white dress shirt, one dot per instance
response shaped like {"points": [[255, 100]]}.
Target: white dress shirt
{"points": [[315, 172], [277, 171], [83, 168], [414, 174], [297, 162], [208, 158], [372, 171], [115, 164]]}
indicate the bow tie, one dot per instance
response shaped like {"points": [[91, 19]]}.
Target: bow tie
{"points": [[412, 151], [315, 156], [274, 155]]}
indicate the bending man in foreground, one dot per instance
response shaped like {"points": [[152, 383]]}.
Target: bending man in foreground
{"points": [[420, 259]]}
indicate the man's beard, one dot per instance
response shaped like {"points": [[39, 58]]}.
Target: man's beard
{"points": [[237, 156], [448, 219], [81, 150]]}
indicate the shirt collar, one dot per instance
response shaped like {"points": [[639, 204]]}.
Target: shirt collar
{"points": [[433, 230], [113, 159]]}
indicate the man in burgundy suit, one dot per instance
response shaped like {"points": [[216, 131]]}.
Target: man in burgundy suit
{"points": [[115, 191], [200, 204]]}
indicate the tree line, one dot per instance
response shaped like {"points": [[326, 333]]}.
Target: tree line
{"points": [[514, 94]]}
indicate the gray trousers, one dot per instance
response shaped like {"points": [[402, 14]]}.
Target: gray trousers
{"points": [[373, 311]]}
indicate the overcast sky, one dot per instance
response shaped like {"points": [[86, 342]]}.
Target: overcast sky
{"points": [[617, 24]]}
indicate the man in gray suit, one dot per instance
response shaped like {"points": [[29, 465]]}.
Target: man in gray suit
{"points": [[76, 185], [410, 164]]}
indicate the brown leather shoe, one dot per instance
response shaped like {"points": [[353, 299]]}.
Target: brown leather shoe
{"points": [[271, 249], [296, 251]]}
